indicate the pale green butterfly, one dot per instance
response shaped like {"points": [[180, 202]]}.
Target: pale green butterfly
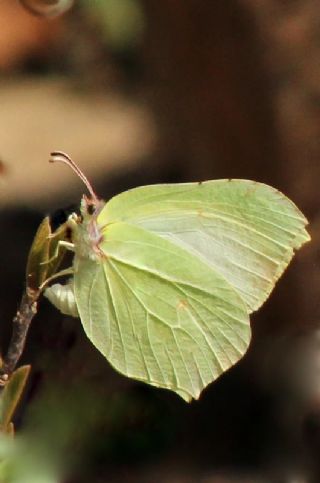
{"points": [[165, 276]]}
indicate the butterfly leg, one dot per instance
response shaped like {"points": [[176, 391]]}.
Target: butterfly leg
{"points": [[62, 273], [61, 244]]}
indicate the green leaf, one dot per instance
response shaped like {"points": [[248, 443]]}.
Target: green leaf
{"points": [[44, 257], [36, 271], [56, 251], [10, 397]]}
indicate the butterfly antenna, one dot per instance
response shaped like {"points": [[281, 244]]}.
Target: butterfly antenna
{"points": [[59, 156]]}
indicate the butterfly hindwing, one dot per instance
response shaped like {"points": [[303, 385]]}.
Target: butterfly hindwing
{"points": [[158, 313]]}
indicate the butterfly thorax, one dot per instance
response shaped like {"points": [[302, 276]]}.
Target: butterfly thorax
{"points": [[86, 233]]}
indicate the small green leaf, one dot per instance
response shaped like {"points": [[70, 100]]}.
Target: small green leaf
{"points": [[44, 257], [10, 397], [36, 271], [56, 251]]}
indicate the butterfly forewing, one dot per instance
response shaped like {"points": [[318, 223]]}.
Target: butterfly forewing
{"points": [[246, 231]]}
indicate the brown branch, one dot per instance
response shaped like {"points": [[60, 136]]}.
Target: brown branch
{"points": [[21, 324]]}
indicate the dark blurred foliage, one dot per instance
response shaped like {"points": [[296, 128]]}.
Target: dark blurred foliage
{"points": [[234, 88]]}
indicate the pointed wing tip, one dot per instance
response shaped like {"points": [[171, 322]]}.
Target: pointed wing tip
{"points": [[188, 397], [302, 238]]}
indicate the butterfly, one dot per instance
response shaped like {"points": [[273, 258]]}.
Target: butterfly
{"points": [[164, 277]]}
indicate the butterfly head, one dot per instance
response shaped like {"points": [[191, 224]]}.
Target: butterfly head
{"points": [[90, 207]]}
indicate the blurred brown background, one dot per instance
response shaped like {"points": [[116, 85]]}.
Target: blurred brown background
{"points": [[144, 91]]}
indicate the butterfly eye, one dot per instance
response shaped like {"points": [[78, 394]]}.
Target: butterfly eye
{"points": [[91, 209]]}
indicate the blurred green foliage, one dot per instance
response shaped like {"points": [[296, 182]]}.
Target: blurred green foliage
{"points": [[122, 22]]}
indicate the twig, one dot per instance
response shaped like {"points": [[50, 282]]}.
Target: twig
{"points": [[21, 324]]}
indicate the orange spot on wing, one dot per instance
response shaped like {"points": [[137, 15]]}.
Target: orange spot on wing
{"points": [[182, 304]]}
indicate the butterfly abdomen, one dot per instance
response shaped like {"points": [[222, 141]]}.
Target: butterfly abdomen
{"points": [[62, 297]]}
